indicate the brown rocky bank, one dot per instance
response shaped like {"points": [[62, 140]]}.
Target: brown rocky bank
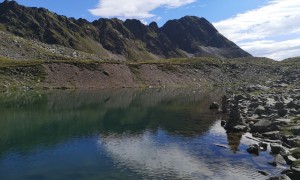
{"points": [[196, 72]]}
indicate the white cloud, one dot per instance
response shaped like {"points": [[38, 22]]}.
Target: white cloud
{"points": [[272, 30], [139, 9], [274, 49]]}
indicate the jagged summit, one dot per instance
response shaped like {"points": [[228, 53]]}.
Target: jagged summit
{"points": [[129, 39]]}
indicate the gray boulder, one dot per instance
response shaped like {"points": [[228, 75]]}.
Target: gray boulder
{"points": [[292, 104], [260, 110], [295, 130], [279, 105], [273, 135], [295, 168], [263, 146], [290, 159], [284, 177], [240, 97], [282, 112], [275, 148], [264, 126], [279, 159], [253, 105]]}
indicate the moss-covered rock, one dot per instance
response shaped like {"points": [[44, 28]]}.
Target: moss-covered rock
{"points": [[296, 153]]}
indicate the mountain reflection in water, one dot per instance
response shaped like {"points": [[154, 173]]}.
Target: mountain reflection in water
{"points": [[119, 134]]}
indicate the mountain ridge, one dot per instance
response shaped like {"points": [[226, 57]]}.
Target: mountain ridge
{"points": [[116, 39]]}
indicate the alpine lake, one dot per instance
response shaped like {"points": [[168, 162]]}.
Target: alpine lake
{"points": [[167, 133]]}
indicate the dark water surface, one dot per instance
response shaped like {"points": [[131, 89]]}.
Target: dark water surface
{"points": [[120, 134]]}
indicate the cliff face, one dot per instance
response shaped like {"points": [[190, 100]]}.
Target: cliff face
{"points": [[130, 39]]}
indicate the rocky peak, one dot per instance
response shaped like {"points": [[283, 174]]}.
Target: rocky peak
{"points": [[190, 29], [9, 3], [137, 28], [198, 36], [131, 38], [153, 26]]}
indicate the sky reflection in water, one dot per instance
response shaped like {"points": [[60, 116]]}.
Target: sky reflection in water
{"points": [[120, 134]]}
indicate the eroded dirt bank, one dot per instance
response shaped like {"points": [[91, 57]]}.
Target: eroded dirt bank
{"points": [[118, 75]]}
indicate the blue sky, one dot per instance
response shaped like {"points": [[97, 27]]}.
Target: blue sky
{"points": [[269, 28], [213, 10]]}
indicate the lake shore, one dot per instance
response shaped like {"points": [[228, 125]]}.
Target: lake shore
{"points": [[271, 112], [186, 72], [267, 92]]}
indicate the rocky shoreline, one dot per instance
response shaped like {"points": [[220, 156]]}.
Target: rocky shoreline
{"points": [[272, 114]]}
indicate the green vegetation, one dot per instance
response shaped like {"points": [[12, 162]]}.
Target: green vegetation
{"points": [[296, 153], [296, 120], [2, 27], [296, 163], [253, 61], [292, 60], [5, 62], [179, 61], [15, 75]]}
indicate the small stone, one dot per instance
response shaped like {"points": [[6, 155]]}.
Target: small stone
{"points": [[253, 149], [106, 73], [239, 128], [295, 168], [214, 106], [287, 172], [253, 105], [264, 126], [279, 159], [273, 163], [263, 145], [293, 111], [279, 105], [282, 112], [283, 121], [222, 146], [295, 130], [290, 159], [223, 122], [284, 177], [264, 173], [275, 148], [273, 135], [292, 104], [260, 110], [284, 152], [240, 97]]}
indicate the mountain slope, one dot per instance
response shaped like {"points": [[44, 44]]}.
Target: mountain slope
{"points": [[113, 38]]}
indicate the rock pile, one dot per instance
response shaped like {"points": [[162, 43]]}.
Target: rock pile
{"points": [[235, 122], [225, 104], [272, 114]]}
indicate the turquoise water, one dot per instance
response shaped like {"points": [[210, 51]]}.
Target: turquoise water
{"points": [[121, 134]]}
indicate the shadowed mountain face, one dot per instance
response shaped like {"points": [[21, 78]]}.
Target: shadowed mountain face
{"points": [[113, 38]]}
